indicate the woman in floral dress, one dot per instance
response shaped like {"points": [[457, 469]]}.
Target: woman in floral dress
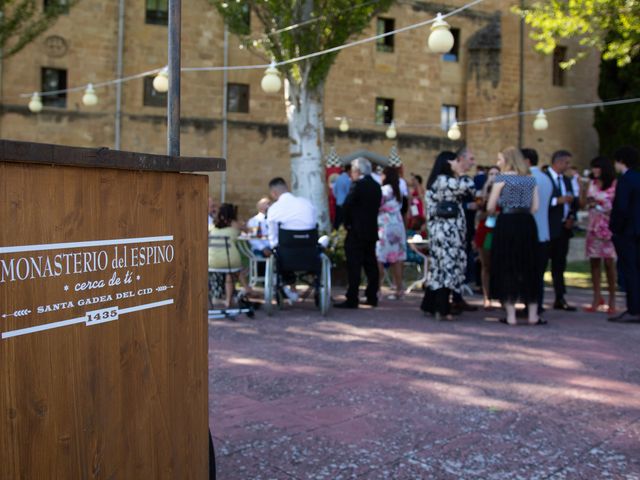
{"points": [[391, 248], [447, 257], [598, 198]]}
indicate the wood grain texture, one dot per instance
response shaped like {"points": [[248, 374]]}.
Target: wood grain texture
{"points": [[126, 399], [28, 152]]}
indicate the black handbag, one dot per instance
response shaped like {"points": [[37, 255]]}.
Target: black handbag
{"points": [[447, 209]]}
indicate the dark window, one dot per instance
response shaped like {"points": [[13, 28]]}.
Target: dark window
{"points": [[384, 111], [238, 98], [448, 116], [54, 79], [454, 54], [56, 6], [153, 98], [385, 25], [559, 56], [246, 16], [157, 12]]}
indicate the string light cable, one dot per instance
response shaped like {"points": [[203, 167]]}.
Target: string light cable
{"points": [[439, 17]]}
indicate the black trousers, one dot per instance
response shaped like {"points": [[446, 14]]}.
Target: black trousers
{"points": [[558, 250], [361, 255], [339, 219], [543, 260], [628, 250]]}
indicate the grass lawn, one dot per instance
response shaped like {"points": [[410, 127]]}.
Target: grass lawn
{"points": [[578, 275]]}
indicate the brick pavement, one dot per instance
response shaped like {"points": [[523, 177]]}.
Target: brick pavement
{"points": [[387, 393]]}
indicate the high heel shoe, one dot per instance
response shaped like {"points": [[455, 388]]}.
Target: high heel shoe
{"points": [[595, 308]]}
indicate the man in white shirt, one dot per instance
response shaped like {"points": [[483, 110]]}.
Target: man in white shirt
{"points": [[288, 212], [259, 223]]}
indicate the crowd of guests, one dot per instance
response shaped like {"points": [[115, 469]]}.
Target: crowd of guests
{"points": [[514, 217]]}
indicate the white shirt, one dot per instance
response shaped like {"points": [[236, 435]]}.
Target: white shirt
{"points": [[291, 213], [563, 189], [402, 183], [259, 220]]}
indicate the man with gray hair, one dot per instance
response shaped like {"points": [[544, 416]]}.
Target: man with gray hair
{"points": [[361, 221]]}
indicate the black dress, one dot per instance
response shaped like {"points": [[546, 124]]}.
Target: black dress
{"points": [[515, 243]]}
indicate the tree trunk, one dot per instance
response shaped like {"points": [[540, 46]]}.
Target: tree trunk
{"points": [[306, 139]]}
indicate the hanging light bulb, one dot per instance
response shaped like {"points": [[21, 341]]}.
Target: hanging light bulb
{"points": [[35, 104], [271, 82], [161, 81], [391, 132], [441, 38], [541, 122], [344, 125], [89, 98], [454, 132]]}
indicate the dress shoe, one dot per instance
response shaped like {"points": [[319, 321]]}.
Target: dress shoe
{"points": [[563, 305], [345, 304], [625, 317]]}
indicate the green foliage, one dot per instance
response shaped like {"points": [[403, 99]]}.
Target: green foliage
{"points": [[619, 124], [335, 251], [611, 26], [325, 24], [21, 21]]}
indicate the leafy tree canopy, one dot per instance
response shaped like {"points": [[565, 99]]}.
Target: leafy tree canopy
{"points": [[611, 26], [319, 25], [21, 21]]}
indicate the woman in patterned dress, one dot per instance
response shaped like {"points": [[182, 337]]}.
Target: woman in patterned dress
{"points": [[447, 257], [598, 198], [391, 247], [515, 239]]}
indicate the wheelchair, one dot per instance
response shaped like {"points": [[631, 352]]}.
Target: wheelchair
{"points": [[298, 254]]}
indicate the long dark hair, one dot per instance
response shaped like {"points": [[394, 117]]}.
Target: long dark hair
{"points": [[227, 213], [392, 178], [607, 171], [441, 167]]}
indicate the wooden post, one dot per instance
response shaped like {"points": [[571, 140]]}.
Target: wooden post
{"points": [[103, 323]]}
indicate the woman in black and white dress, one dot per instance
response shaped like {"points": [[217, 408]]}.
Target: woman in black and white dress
{"points": [[515, 237], [446, 233]]}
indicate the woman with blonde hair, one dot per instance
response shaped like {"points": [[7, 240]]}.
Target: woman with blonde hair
{"points": [[515, 237]]}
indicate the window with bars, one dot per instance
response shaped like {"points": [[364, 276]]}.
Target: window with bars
{"points": [[384, 111], [54, 79], [238, 98], [454, 54], [385, 25], [157, 12], [448, 116], [559, 56], [151, 97]]}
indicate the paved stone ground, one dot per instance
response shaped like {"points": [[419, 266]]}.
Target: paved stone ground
{"points": [[387, 393]]}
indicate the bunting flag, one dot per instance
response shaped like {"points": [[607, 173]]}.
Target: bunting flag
{"points": [[332, 159], [394, 158]]}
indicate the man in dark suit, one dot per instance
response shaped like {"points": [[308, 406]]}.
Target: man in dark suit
{"points": [[562, 215], [625, 226], [361, 221]]}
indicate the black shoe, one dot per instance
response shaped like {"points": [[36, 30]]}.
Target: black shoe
{"points": [[345, 304], [625, 317], [372, 302], [563, 305], [541, 321]]}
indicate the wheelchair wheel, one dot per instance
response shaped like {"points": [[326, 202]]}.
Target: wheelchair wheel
{"points": [[325, 286], [269, 286]]}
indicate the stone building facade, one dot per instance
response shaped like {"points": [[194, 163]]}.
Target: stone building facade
{"points": [[482, 79]]}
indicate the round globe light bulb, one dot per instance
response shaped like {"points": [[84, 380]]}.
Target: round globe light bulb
{"points": [[35, 104], [271, 82], [441, 38], [454, 132], [161, 81], [541, 122], [89, 98], [344, 125], [391, 132]]}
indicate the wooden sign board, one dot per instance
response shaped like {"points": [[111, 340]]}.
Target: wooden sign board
{"points": [[103, 327]]}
